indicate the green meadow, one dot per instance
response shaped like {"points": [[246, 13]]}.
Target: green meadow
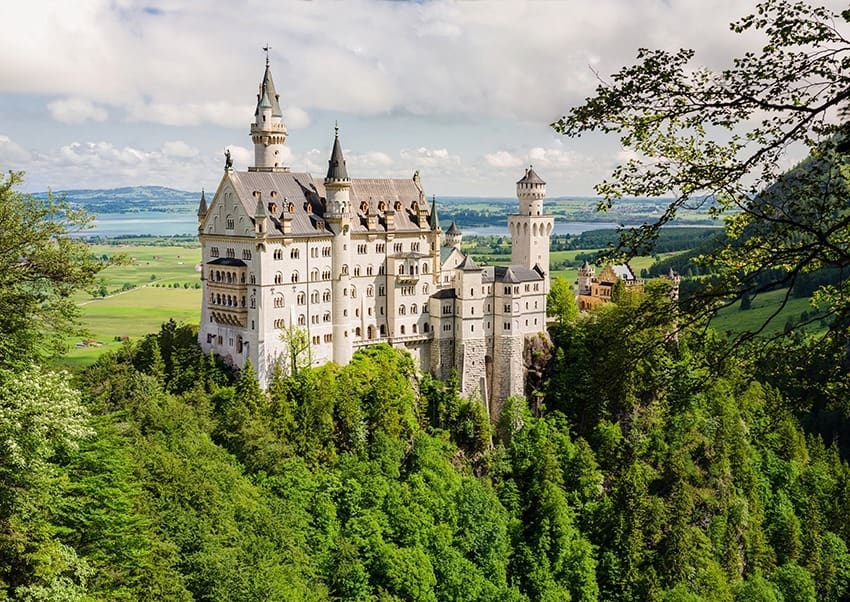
{"points": [[732, 319], [148, 286]]}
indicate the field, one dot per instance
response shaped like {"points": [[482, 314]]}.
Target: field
{"points": [[144, 305], [735, 319]]}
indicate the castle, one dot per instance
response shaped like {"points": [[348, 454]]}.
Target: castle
{"points": [[353, 262], [594, 290]]}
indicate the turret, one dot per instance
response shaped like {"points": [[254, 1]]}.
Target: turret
{"points": [[531, 190], [454, 236], [531, 228], [260, 218], [338, 217], [202, 210], [585, 278], [268, 131]]}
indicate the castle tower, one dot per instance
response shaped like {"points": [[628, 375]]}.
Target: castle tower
{"points": [[530, 228], [454, 236], [585, 278], [338, 217], [268, 130]]}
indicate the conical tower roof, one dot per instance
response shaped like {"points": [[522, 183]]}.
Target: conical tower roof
{"points": [[453, 229], [434, 219], [202, 208], [268, 94], [336, 164], [531, 177]]}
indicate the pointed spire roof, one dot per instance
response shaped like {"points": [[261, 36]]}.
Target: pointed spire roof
{"points": [[434, 219], [336, 164], [531, 177], [268, 94], [202, 208], [260, 211], [453, 229], [468, 264]]}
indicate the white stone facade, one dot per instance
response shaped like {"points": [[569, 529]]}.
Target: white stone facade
{"points": [[355, 262]]}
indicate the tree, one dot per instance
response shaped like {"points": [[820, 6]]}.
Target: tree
{"points": [[721, 138], [297, 349], [561, 301], [41, 266]]}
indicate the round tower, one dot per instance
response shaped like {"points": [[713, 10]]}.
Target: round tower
{"points": [[585, 278], [338, 216], [531, 190], [268, 132], [454, 236]]}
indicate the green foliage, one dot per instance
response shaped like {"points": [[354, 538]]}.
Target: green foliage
{"points": [[561, 301], [41, 266]]}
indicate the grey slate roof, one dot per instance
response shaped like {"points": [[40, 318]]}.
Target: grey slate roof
{"points": [[445, 293], [445, 252], [510, 274], [336, 164], [227, 261], [267, 89], [468, 264], [308, 198], [453, 229], [202, 207], [434, 218], [530, 177]]}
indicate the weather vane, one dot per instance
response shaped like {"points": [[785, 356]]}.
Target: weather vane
{"points": [[266, 48]]}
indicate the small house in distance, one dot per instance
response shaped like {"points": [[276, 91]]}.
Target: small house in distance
{"points": [[594, 290]]}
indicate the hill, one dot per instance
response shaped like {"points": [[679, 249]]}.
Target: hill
{"points": [[130, 199]]}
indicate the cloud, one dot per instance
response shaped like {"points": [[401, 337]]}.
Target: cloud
{"points": [[221, 113], [76, 110], [503, 159], [12, 154], [180, 149], [423, 157], [295, 118]]}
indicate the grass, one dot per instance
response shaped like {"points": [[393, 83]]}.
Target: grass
{"points": [[733, 319], [140, 310]]}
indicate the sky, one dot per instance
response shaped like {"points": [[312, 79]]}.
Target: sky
{"points": [[107, 93]]}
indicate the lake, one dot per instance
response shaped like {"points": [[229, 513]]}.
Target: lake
{"points": [[154, 223]]}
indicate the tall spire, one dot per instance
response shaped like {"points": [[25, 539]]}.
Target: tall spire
{"points": [[268, 132], [267, 89], [434, 219], [336, 164], [202, 208]]}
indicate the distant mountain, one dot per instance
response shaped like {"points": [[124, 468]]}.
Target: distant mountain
{"points": [[131, 199]]}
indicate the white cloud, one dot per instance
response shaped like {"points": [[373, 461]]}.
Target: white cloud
{"points": [[502, 159], [12, 154], [219, 113], [295, 118], [423, 157], [368, 160], [180, 149], [76, 110], [243, 157]]}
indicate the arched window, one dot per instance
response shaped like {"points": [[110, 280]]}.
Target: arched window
{"points": [[357, 331], [293, 254], [314, 274], [278, 301], [383, 330], [414, 309], [370, 332], [326, 317], [402, 329], [302, 321], [302, 298], [314, 297], [344, 270], [424, 268], [414, 329], [357, 270], [294, 277], [353, 292], [278, 278], [291, 208], [401, 310], [326, 296]]}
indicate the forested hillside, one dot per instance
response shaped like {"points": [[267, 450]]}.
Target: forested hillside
{"points": [[637, 474]]}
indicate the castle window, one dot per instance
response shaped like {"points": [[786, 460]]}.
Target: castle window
{"points": [[402, 329], [344, 270], [414, 246], [447, 327], [316, 339], [381, 291], [361, 249], [353, 292], [380, 247], [356, 312], [301, 299], [326, 296], [397, 206], [507, 325], [328, 338], [424, 268], [326, 251], [229, 223], [414, 308], [425, 289], [314, 319], [357, 331], [368, 270], [278, 301], [294, 253], [516, 290], [472, 328], [326, 275], [314, 252], [507, 290], [381, 269], [414, 329], [397, 247], [278, 278], [294, 277], [291, 208], [401, 310], [314, 297], [314, 274], [370, 332], [370, 291], [231, 253], [382, 206], [278, 254], [357, 270], [369, 310], [252, 279], [401, 270], [425, 327], [508, 308], [364, 207], [447, 309], [326, 317], [383, 330], [424, 308]]}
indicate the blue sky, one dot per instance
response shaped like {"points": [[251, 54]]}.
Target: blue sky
{"points": [[103, 93]]}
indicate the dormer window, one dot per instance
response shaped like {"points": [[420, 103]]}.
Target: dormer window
{"points": [[291, 208], [382, 206], [397, 205]]}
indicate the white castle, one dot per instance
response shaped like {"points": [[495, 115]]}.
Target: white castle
{"points": [[355, 262]]}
